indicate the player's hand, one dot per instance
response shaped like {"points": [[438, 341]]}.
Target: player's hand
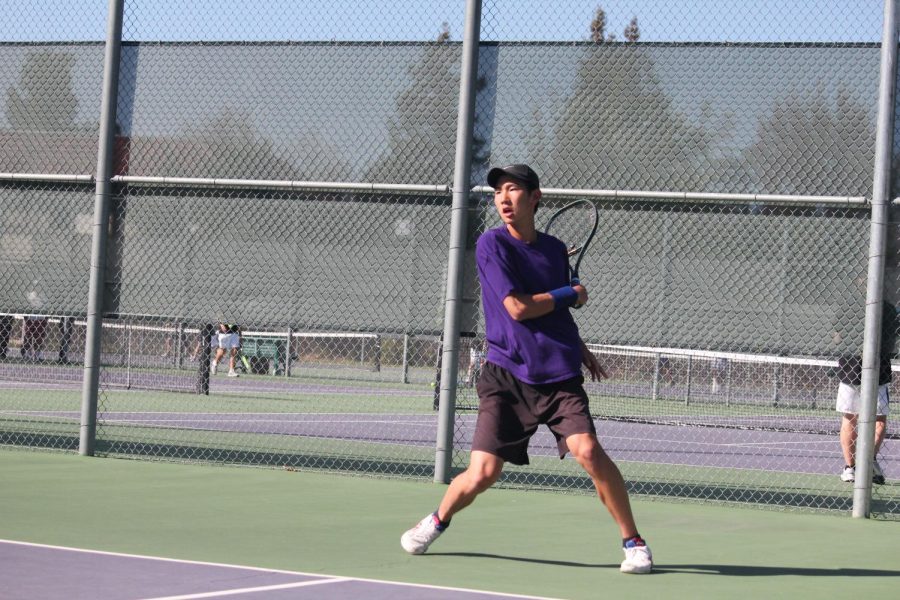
{"points": [[590, 362], [582, 294]]}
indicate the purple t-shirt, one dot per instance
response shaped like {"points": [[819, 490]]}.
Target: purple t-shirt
{"points": [[545, 349]]}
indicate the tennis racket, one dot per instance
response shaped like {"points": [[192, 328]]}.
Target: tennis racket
{"points": [[575, 225]]}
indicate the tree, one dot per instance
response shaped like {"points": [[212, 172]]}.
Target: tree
{"points": [[44, 99], [598, 26], [424, 123], [632, 33], [814, 142], [444, 35], [620, 130], [227, 146]]}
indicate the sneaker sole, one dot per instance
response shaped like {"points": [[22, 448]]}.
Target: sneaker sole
{"points": [[414, 551], [636, 570]]}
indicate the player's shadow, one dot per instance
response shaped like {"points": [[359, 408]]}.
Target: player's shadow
{"points": [[693, 569]]}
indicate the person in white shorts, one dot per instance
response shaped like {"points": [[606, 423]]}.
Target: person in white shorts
{"points": [[229, 340], [476, 360], [848, 401], [848, 404]]}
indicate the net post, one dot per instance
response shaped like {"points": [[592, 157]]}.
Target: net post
{"points": [[289, 336], [206, 333], [728, 384], [655, 390], [776, 384], [376, 367], [436, 402], [66, 327], [404, 367], [690, 376], [128, 345], [179, 345]]}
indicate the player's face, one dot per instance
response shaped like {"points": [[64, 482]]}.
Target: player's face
{"points": [[514, 203]]}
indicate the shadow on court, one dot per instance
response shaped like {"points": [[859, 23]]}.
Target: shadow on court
{"points": [[758, 571], [694, 569], [523, 559]]}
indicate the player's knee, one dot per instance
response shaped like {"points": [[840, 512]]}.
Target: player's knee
{"points": [[589, 454], [481, 477]]}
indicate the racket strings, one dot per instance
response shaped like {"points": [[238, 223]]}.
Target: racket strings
{"points": [[573, 225]]}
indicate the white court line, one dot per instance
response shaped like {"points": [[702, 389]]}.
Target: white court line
{"points": [[327, 578], [264, 588]]}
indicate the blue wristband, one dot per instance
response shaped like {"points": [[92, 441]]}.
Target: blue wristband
{"points": [[564, 297]]}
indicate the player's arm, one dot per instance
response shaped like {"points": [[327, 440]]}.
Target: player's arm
{"points": [[590, 362], [522, 307]]}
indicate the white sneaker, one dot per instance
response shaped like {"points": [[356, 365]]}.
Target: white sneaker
{"points": [[848, 474], [232, 373], [212, 367], [877, 473], [417, 539], [638, 559]]}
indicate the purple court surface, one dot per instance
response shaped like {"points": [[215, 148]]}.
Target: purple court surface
{"points": [[34, 571], [669, 444]]}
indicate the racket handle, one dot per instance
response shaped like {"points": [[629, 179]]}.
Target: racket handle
{"points": [[576, 281]]}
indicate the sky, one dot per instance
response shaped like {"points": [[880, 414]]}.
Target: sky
{"points": [[839, 21]]}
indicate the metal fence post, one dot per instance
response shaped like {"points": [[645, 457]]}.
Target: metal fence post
{"points": [[105, 152], [458, 227], [865, 450]]}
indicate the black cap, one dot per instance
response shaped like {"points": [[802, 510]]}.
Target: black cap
{"points": [[523, 173]]}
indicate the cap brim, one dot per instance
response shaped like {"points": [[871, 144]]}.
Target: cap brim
{"points": [[494, 175]]}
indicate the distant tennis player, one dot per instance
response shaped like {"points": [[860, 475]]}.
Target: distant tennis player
{"points": [[228, 341], [532, 373], [848, 336]]}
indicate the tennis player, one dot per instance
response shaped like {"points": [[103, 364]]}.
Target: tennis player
{"points": [[532, 373], [849, 398], [229, 341]]}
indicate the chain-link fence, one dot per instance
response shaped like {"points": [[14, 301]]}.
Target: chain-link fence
{"points": [[281, 184]]}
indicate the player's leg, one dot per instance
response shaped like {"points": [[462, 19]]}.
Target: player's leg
{"points": [[503, 427], [847, 405], [610, 486], [881, 413], [607, 479], [232, 358], [483, 471], [880, 429], [217, 358], [848, 445], [848, 437]]}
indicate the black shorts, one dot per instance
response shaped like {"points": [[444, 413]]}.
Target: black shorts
{"points": [[509, 412]]}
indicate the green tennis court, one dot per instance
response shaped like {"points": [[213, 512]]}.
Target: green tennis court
{"points": [[511, 541]]}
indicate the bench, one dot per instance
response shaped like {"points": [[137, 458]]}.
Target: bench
{"points": [[265, 354]]}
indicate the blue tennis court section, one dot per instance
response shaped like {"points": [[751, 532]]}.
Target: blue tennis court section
{"points": [[33, 571]]}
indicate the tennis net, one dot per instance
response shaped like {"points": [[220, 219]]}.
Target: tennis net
{"points": [[695, 388]]}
